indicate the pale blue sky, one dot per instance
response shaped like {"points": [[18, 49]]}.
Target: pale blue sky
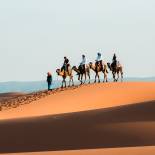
{"points": [[36, 34]]}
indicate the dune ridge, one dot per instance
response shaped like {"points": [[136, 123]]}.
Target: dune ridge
{"points": [[14, 100], [10, 95], [83, 98]]}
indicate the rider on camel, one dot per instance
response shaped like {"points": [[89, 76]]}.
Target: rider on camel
{"points": [[114, 60], [83, 62], [99, 60], [65, 64]]}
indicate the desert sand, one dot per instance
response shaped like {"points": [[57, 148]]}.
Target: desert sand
{"points": [[87, 97], [118, 151], [10, 95], [111, 118]]}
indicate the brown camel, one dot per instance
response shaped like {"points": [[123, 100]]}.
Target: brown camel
{"points": [[98, 69], [116, 69], [81, 71], [64, 75]]}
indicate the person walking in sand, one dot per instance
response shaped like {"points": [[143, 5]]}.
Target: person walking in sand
{"points": [[49, 80]]}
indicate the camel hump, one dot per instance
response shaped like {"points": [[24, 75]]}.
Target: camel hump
{"points": [[87, 66], [69, 67], [119, 64], [104, 63]]}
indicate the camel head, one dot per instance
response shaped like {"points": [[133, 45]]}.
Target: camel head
{"points": [[58, 71], [74, 67], [109, 65]]}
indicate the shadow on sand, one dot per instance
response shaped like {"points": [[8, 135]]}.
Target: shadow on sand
{"points": [[124, 126]]}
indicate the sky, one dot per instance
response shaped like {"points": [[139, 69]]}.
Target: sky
{"points": [[35, 35]]}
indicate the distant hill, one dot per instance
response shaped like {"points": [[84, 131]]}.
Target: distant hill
{"points": [[147, 79], [26, 86], [32, 86]]}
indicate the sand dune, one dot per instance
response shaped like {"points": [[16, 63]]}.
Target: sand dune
{"points": [[115, 151], [97, 116], [88, 97], [123, 126]]}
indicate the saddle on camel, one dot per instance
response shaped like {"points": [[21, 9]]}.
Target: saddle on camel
{"points": [[99, 63]]}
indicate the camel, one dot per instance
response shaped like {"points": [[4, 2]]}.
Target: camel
{"points": [[64, 75], [82, 72], [98, 69], [116, 69]]}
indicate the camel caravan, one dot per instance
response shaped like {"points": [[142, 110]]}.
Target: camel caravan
{"points": [[83, 70]]}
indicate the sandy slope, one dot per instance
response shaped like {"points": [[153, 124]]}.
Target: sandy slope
{"points": [[118, 151], [124, 126], [87, 97], [98, 116]]}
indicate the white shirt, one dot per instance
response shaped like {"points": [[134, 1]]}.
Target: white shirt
{"points": [[83, 62], [99, 58]]}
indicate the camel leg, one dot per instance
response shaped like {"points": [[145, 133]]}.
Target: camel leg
{"points": [[72, 82], [89, 77], [121, 76], [69, 82], [85, 77], [62, 83], [117, 76], [65, 83], [98, 78], [81, 78], [104, 76], [95, 78], [114, 77]]}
